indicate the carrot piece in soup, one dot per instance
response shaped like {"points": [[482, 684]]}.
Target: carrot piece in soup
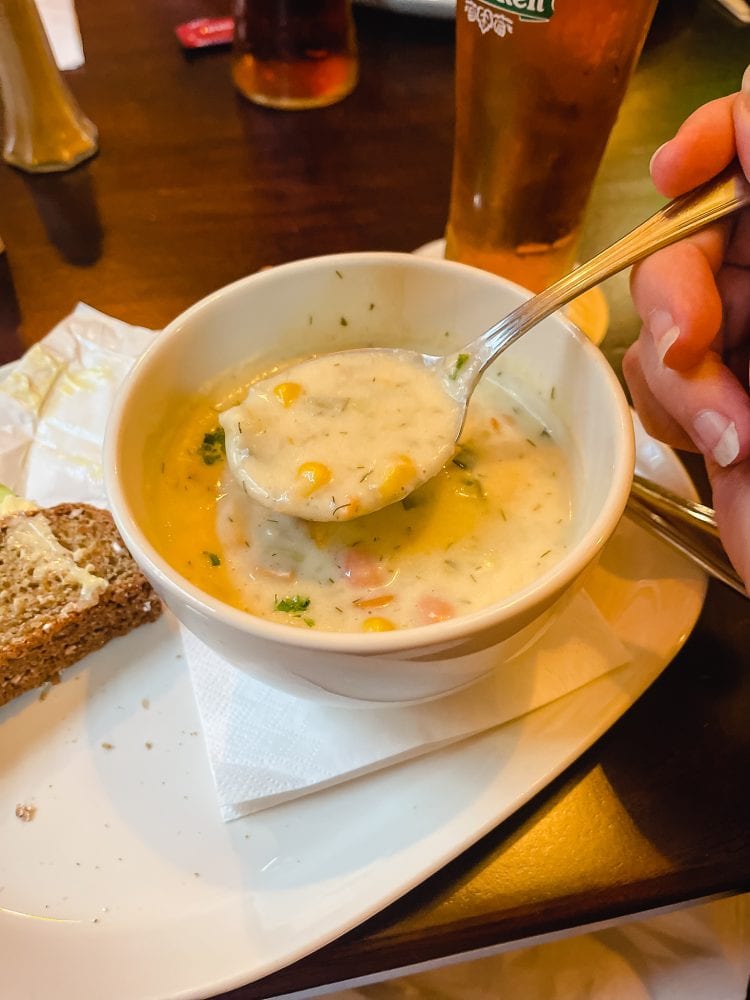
{"points": [[373, 602]]}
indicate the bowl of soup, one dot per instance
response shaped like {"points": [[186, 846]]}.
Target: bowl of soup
{"points": [[425, 595]]}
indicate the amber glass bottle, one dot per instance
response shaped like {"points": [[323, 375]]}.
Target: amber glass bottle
{"points": [[294, 54]]}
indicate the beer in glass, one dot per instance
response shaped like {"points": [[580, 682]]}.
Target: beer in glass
{"points": [[294, 53], [538, 87]]}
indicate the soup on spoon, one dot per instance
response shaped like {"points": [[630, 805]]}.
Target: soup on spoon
{"points": [[345, 434], [342, 435]]}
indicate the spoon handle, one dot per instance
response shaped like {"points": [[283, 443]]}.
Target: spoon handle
{"points": [[725, 193], [692, 538], [696, 516]]}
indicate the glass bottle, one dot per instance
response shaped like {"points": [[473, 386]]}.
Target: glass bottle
{"points": [[294, 54], [45, 130]]}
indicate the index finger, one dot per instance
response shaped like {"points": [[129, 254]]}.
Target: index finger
{"points": [[675, 293], [704, 144]]}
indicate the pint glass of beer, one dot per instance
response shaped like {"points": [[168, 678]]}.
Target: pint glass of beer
{"points": [[538, 87], [294, 54]]}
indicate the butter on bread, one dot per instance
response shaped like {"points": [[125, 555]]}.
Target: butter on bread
{"points": [[67, 586]]}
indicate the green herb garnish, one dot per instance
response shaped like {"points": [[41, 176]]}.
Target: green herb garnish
{"points": [[212, 448], [293, 605], [465, 457], [212, 558], [471, 487], [460, 362], [412, 500]]}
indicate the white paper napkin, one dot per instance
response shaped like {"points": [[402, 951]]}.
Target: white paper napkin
{"points": [[264, 746], [54, 406], [267, 747], [61, 26]]}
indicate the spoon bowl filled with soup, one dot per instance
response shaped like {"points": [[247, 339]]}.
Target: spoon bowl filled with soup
{"points": [[439, 585]]}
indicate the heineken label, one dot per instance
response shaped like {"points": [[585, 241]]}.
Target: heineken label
{"points": [[492, 15]]}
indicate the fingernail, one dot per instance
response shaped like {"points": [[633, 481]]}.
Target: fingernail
{"points": [[745, 88], [653, 157], [717, 435], [664, 330]]}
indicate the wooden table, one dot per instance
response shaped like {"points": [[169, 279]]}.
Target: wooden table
{"points": [[195, 187]]}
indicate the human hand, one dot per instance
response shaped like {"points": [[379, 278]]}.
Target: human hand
{"points": [[688, 370]]}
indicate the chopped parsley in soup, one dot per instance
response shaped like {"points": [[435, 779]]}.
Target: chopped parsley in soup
{"points": [[494, 518]]}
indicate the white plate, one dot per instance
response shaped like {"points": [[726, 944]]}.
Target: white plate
{"points": [[126, 885], [422, 8]]}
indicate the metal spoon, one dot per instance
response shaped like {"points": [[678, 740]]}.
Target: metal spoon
{"points": [[456, 375], [685, 525], [724, 194]]}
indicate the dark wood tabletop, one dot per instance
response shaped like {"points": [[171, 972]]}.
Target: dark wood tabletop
{"points": [[193, 188]]}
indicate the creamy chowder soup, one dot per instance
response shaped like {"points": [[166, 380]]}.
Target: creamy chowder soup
{"points": [[494, 518], [338, 436]]}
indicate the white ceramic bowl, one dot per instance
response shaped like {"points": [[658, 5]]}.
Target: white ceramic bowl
{"points": [[265, 318]]}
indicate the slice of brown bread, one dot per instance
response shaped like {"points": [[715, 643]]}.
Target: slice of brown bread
{"points": [[52, 613]]}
